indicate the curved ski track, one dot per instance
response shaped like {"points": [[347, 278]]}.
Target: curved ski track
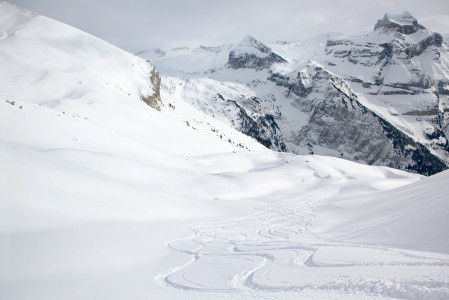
{"points": [[271, 250]]}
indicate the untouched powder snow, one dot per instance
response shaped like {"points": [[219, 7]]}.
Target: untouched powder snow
{"points": [[104, 197]]}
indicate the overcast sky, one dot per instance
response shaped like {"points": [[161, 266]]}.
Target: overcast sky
{"points": [[137, 25]]}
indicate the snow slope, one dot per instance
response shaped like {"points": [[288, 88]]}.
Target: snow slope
{"points": [[36, 55], [104, 197]]}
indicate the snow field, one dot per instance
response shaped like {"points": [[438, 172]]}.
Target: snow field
{"points": [[103, 197]]}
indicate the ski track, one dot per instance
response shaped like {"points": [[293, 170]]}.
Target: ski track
{"points": [[271, 250]]}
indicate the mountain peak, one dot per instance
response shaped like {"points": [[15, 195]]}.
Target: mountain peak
{"points": [[404, 23], [250, 41], [251, 53]]}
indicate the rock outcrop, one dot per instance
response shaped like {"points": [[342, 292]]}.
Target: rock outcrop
{"points": [[154, 100]]}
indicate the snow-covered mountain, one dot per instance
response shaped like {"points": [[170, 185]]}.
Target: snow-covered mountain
{"points": [[379, 99], [402, 71], [112, 186]]}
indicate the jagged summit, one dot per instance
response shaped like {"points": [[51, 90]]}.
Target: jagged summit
{"points": [[404, 23], [404, 18], [253, 54], [250, 41]]}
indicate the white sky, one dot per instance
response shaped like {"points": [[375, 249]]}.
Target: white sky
{"points": [[136, 25]]}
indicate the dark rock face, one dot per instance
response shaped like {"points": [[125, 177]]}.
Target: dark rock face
{"points": [[440, 139], [297, 87], [245, 114], [339, 121], [238, 60], [252, 54], [386, 54], [443, 87], [403, 23], [396, 68], [423, 161], [331, 43], [263, 128], [434, 40]]}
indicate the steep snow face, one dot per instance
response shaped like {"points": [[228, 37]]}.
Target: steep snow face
{"points": [[103, 197], [397, 76]]}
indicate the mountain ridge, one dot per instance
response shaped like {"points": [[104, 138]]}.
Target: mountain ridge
{"points": [[382, 68]]}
